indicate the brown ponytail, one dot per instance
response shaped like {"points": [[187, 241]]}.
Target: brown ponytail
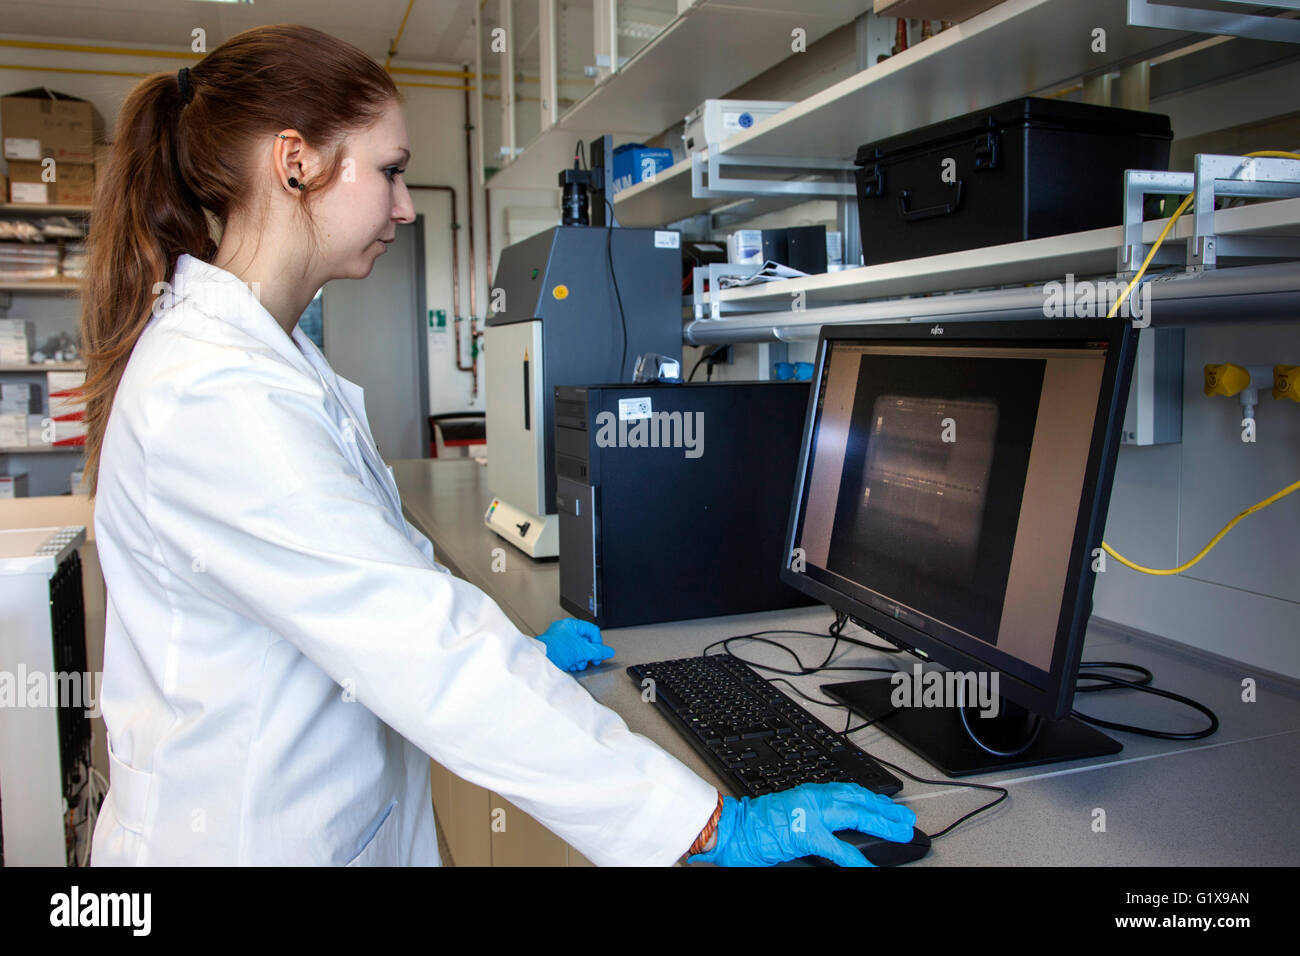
{"points": [[173, 162]]}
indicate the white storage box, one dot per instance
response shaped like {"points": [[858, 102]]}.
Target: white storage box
{"points": [[716, 120]]}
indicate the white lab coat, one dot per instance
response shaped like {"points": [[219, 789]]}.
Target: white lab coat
{"points": [[282, 650]]}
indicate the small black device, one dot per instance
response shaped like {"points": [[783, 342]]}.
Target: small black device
{"points": [[584, 189], [799, 247], [672, 498], [575, 183], [1028, 168], [806, 249]]}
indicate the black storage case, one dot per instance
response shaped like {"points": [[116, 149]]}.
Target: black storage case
{"points": [[1025, 169], [648, 534]]}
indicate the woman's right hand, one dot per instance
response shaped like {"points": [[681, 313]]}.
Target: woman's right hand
{"points": [[766, 830]]}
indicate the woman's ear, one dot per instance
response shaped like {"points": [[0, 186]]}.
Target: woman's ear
{"points": [[290, 156]]}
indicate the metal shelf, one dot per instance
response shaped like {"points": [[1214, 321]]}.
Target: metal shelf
{"points": [[42, 285], [43, 209], [670, 197], [993, 57], [45, 367], [38, 449], [1263, 293], [1013, 49], [898, 291], [709, 50]]}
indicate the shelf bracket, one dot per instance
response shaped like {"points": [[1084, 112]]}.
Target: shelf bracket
{"points": [[709, 182], [1214, 177], [1224, 19]]}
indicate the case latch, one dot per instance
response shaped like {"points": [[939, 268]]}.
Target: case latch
{"points": [[986, 151]]}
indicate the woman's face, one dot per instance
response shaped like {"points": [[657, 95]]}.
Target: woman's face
{"points": [[357, 215]]}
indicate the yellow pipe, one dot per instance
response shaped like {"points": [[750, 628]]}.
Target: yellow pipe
{"points": [[83, 48], [462, 74], [398, 39], [60, 69], [437, 86]]}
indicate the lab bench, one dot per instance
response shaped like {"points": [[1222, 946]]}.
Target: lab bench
{"points": [[1225, 800]]}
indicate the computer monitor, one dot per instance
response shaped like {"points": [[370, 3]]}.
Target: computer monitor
{"points": [[951, 495]]}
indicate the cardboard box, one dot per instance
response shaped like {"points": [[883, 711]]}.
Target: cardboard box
{"points": [[13, 430], [40, 123], [64, 399], [101, 160], [37, 434], [16, 341], [62, 381], [20, 397], [56, 183], [13, 486], [954, 10], [66, 431]]}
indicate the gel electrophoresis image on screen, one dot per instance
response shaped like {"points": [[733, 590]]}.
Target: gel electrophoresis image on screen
{"points": [[944, 485]]}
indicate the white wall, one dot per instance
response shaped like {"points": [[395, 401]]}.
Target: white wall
{"points": [[1243, 600]]}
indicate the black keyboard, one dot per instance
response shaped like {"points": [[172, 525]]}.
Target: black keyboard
{"points": [[754, 736]]}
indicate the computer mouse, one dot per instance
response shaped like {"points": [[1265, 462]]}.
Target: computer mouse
{"points": [[878, 850]]}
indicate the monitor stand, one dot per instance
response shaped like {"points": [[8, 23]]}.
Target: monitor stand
{"points": [[939, 735]]}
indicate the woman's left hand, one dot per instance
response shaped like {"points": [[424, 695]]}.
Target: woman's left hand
{"points": [[572, 644]]}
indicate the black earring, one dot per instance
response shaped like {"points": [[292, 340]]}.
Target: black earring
{"points": [[294, 184]]}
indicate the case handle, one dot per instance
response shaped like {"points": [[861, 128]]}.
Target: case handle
{"points": [[929, 212]]}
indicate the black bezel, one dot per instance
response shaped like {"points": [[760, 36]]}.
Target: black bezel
{"points": [[1053, 698]]}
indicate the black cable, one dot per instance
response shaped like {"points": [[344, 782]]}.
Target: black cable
{"points": [[798, 692], [835, 633], [1110, 682], [842, 621], [609, 254], [950, 783], [708, 353], [803, 671], [970, 732]]}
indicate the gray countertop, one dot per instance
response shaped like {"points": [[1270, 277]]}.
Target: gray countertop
{"points": [[1225, 800]]}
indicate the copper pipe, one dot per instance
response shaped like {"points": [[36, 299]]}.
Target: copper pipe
{"points": [[455, 245], [487, 229], [469, 185]]}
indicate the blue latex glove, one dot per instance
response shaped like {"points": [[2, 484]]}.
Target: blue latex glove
{"points": [[766, 830], [572, 644]]}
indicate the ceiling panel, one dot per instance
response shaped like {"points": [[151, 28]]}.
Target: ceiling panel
{"points": [[438, 31]]}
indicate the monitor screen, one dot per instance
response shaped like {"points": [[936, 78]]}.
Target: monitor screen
{"points": [[946, 488]]}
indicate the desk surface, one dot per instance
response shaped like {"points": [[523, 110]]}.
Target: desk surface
{"points": [[1226, 800]]}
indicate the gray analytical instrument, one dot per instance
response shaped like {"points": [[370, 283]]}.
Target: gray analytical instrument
{"points": [[571, 306]]}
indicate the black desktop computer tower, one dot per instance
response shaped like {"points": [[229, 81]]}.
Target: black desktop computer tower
{"points": [[673, 498]]}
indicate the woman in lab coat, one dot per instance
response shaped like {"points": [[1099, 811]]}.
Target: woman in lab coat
{"points": [[283, 654]]}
